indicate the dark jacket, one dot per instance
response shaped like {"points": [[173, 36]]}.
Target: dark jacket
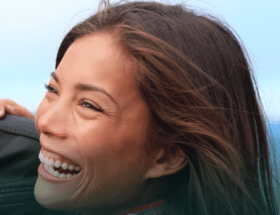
{"points": [[19, 149], [162, 210]]}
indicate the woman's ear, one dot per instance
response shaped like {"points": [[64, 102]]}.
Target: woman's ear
{"points": [[167, 161]]}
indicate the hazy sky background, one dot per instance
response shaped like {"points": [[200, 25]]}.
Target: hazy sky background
{"points": [[32, 30]]}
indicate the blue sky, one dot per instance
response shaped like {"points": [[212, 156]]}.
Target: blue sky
{"points": [[32, 30]]}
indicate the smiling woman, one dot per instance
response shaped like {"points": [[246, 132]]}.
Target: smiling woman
{"points": [[153, 109], [104, 135]]}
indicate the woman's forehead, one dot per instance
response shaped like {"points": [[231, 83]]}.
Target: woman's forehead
{"points": [[98, 60]]}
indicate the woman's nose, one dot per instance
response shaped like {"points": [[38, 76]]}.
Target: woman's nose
{"points": [[54, 120]]}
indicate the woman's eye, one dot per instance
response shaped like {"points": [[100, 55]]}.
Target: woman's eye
{"points": [[51, 89], [91, 106]]}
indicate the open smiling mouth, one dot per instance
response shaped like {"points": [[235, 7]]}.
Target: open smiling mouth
{"points": [[59, 169]]}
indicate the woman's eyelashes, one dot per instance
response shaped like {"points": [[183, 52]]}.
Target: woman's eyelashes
{"points": [[51, 89], [90, 105], [83, 103]]}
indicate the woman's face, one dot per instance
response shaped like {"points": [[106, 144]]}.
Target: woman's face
{"points": [[94, 118]]}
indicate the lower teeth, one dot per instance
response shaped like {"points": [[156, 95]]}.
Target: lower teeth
{"points": [[53, 172]]}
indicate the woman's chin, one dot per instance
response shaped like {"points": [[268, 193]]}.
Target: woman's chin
{"points": [[56, 193]]}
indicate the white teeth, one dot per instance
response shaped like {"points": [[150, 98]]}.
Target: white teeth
{"points": [[51, 170], [56, 173], [40, 156], [57, 164], [62, 175], [49, 165], [64, 166], [46, 160], [71, 167]]}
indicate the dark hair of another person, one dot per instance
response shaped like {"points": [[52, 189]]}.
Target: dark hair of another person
{"points": [[197, 82]]}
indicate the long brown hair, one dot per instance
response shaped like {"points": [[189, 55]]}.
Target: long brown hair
{"points": [[195, 76]]}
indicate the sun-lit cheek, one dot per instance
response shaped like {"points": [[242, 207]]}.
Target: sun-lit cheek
{"points": [[87, 113], [50, 96], [97, 135]]}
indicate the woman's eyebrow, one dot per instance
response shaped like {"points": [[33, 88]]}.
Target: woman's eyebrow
{"points": [[55, 77], [87, 87]]}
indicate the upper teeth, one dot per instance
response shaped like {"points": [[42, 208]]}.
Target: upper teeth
{"points": [[57, 163]]}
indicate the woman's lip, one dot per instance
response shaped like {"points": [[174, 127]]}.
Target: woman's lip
{"points": [[43, 173]]}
